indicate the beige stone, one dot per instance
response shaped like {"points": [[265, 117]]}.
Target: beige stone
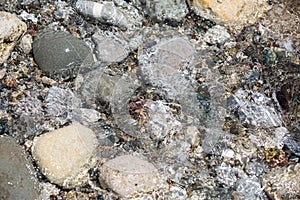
{"points": [[234, 12], [128, 176], [65, 155], [11, 29]]}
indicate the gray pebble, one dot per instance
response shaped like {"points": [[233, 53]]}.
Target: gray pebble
{"points": [[57, 52]]}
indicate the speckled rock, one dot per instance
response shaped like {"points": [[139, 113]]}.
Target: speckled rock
{"points": [[128, 176], [164, 10], [65, 155], [283, 183], [11, 30], [26, 43], [161, 121], [238, 12], [216, 35], [58, 52], [17, 180]]}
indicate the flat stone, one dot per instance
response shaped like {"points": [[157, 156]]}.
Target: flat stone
{"points": [[57, 52], [11, 30], [17, 180], [239, 12], [65, 155], [128, 176]]}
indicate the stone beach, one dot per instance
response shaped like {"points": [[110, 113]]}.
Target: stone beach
{"points": [[137, 99]]}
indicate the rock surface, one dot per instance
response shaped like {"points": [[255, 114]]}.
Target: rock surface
{"points": [[283, 183], [11, 30], [64, 155], [57, 52], [17, 180], [128, 175], [164, 10], [110, 47], [238, 12]]}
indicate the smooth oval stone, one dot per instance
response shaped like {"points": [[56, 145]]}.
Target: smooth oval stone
{"points": [[65, 155], [17, 180], [57, 52], [128, 175]]}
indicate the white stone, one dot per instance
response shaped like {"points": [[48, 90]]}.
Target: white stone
{"points": [[162, 122], [11, 30], [216, 35], [128, 176], [65, 155], [26, 43]]}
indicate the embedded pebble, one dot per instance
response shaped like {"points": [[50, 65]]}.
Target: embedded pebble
{"points": [[26, 43], [238, 12], [128, 176], [283, 183], [65, 155], [11, 30], [108, 12], [58, 52], [17, 180], [161, 122], [249, 188], [161, 66], [110, 47], [162, 10], [255, 112], [216, 35]]}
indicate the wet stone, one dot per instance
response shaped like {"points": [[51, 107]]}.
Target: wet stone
{"points": [[249, 188], [161, 122], [117, 13], [129, 176], [110, 47], [17, 180], [11, 30], [162, 66], [58, 52], [65, 155], [255, 112], [164, 10]]}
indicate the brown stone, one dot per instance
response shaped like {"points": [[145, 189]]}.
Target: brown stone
{"points": [[233, 12]]}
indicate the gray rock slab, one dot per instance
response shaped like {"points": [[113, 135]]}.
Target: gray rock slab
{"points": [[65, 155], [17, 180]]}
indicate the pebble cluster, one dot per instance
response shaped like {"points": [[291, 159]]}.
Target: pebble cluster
{"points": [[148, 100]]}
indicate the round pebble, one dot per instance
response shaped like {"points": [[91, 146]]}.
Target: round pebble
{"points": [[57, 52], [64, 155], [128, 175]]}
